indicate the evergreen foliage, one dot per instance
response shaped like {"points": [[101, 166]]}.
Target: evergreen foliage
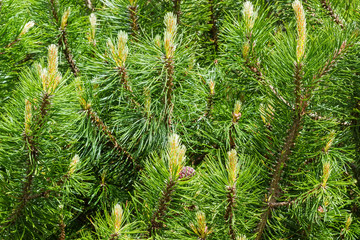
{"points": [[207, 119]]}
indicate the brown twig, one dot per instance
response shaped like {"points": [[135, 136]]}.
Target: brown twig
{"points": [[125, 84], [114, 236], [229, 214], [124, 78], [259, 76], [53, 10], [164, 201], [214, 29], [210, 103], [327, 6], [279, 204], [327, 68], [177, 10], [101, 125], [310, 9], [62, 230], [169, 65], [27, 58], [133, 20], [63, 41], [231, 137], [235, 119], [11, 44], [46, 193], [330, 63]]}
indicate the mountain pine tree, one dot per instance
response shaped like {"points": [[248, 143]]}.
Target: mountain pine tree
{"points": [[208, 119]]}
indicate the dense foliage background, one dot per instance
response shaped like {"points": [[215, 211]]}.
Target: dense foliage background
{"points": [[205, 119]]}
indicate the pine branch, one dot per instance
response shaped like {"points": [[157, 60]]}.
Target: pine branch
{"points": [[24, 30], [259, 76], [310, 9], [177, 9], [119, 55], [327, 6], [330, 63], [214, 29], [101, 126], [125, 84], [279, 204], [38, 195], [62, 230], [210, 103], [300, 107], [254, 66], [169, 44], [63, 41], [327, 68], [355, 123], [229, 214], [114, 236], [236, 115], [11, 44], [134, 20], [46, 193], [169, 65], [27, 58], [164, 201], [33, 158], [45, 103], [53, 10], [301, 103], [124, 81], [231, 137], [29, 175]]}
